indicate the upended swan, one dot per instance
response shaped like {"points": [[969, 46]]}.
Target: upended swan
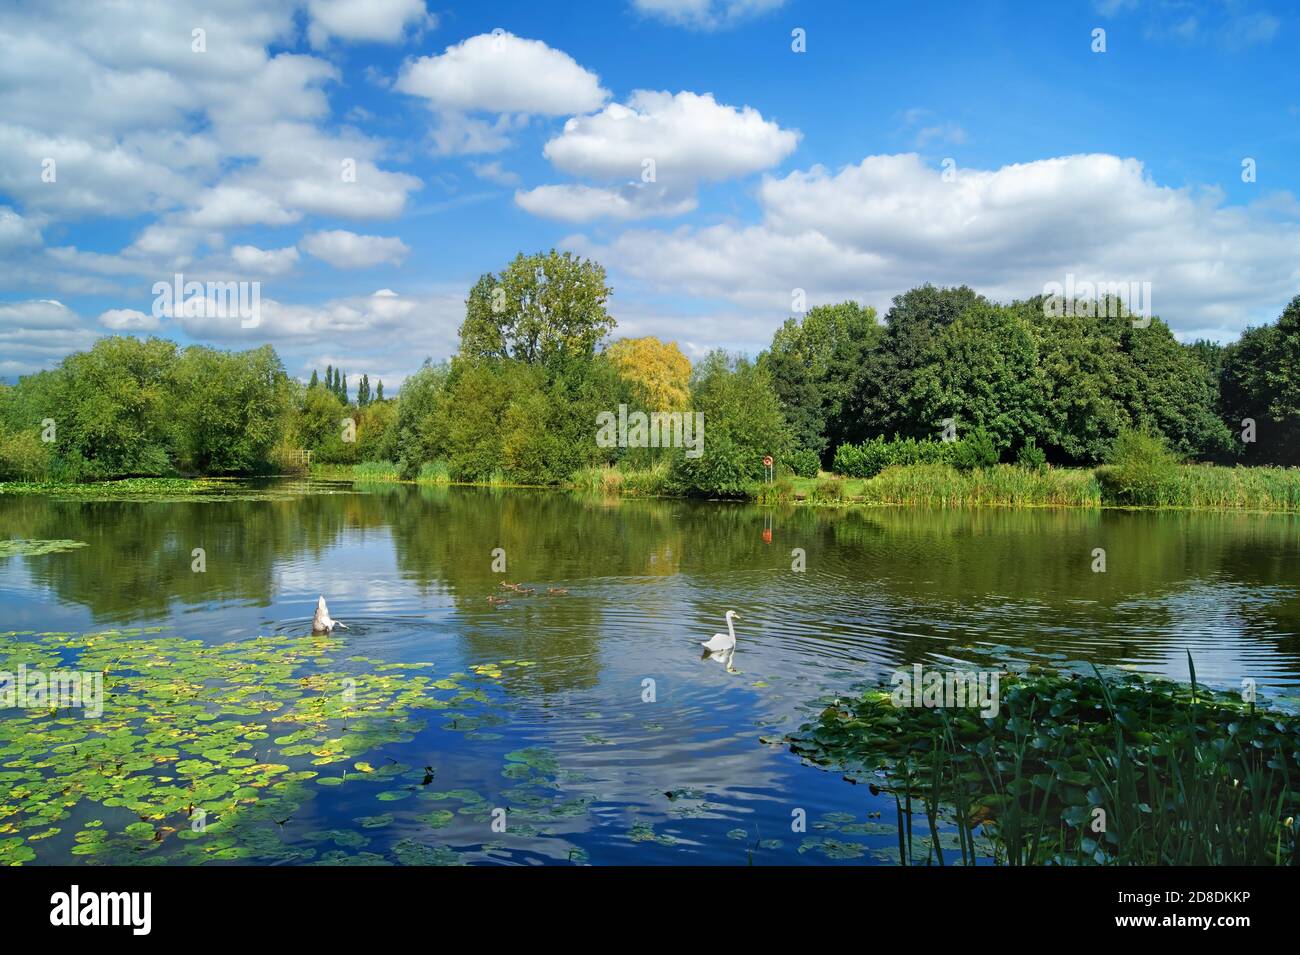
{"points": [[722, 646], [322, 622]]}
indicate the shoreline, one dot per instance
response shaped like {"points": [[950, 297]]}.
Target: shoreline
{"points": [[915, 486]]}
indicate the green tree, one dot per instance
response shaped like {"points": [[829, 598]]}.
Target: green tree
{"points": [[227, 409], [812, 364], [540, 308]]}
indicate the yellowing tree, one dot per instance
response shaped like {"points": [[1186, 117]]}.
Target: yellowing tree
{"points": [[658, 371]]}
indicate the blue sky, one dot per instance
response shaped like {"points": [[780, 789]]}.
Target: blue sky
{"points": [[481, 130]]}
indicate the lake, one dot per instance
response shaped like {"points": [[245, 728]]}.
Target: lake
{"points": [[588, 716]]}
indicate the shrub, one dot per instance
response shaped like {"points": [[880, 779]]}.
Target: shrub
{"points": [[974, 451], [780, 491], [1140, 470], [869, 458], [1031, 456], [828, 490], [804, 463], [721, 471]]}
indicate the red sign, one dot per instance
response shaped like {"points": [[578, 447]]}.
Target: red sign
{"points": [[767, 460]]}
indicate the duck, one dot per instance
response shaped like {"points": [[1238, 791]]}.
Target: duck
{"points": [[557, 591], [498, 601], [322, 622]]}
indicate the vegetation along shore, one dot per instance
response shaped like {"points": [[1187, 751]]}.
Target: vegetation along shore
{"points": [[951, 400]]}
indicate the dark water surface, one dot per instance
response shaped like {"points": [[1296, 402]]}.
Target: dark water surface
{"points": [[588, 769]]}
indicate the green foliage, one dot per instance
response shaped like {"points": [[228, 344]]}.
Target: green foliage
{"points": [[975, 450], [828, 490], [1176, 788], [1031, 456], [1261, 382], [227, 409], [803, 462], [23, 455], [725, 470], [871, 457], [1140, 469], [541, 308], [812, 364]]}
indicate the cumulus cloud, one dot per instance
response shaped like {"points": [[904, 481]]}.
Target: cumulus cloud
{"points": [[369, 21], [1007, 232], [265, 261], [348, 250], [36, 333], [385, 332], [705, 14], [128, 320], [662, 146], [497, 73], [503, 73], [112, 111]]}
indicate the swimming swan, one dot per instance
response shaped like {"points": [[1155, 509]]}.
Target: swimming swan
{"points": [[321, 623], [722, 646]]}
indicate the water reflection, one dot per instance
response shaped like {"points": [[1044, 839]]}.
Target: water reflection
{"points": [[622, 595]]}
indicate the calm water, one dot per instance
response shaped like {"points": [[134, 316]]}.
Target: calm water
{"points": [[410, 569]]}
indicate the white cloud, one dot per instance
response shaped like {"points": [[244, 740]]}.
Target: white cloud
{"points": [[661, 146], [265, 261], [576, 203], [128, 320], [15, 231], [492, 172], [503, 73], [705, 14], [373, 21], [348, 250], [689, 137], [138, 123], [36, 333], [1007, 232]]}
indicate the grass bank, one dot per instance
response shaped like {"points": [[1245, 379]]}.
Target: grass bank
{"points": [[1082, 770], [1193, 486]]}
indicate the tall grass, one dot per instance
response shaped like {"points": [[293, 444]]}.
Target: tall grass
{"points": [[612, 481], [1205, 486], [434, 472], [375, 471], [941, 485]]}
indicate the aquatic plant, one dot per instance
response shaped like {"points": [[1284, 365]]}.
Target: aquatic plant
{"points": [[1082, 770], [207, 752]]}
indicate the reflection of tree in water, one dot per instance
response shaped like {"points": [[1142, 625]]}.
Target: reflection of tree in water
{"points": [[138, 562], [927, 574]]}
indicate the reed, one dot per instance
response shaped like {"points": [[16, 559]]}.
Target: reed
{"points": [[1082, 770], [941, 485]]}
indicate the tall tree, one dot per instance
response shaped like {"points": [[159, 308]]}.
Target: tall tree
{"points": [[660, 375], [540, 308], [813, 363]]}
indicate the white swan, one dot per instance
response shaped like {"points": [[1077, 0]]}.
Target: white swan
{"points": [[321, 623], [722, 646]]}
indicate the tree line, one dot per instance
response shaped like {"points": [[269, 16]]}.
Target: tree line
{"points": [[536, 365]]}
